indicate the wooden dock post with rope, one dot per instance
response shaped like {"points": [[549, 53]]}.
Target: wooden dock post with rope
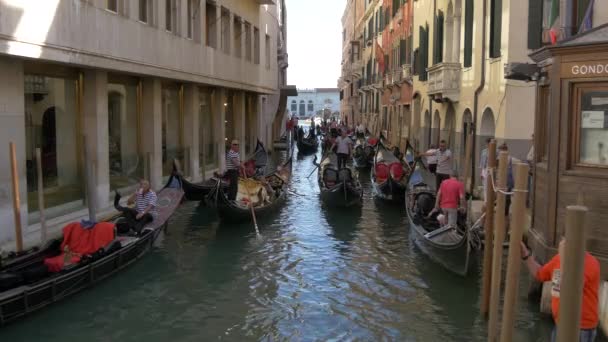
{"points": [[489, 233]]}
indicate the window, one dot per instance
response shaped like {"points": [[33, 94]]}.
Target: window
{"points": [[468, 33], [238, 33], [268, 51], [256, 45], [51, 116], [424, 53], [125, 159], [144, 11], [591, 125], [211, 26], [294, 106], [438, 44], [248, 41], [535, 27], [311, 106], [171, 16], [171, 127], [495, 28], [225, 34], [302, 108], [112, 5]]}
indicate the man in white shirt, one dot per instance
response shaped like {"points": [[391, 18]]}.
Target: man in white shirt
{"points": [[360, 130], [431, 159], [344, 144], [444, 163]]}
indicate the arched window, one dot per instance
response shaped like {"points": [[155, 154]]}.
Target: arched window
{"points": [[311, 106], [294, 106], [302, 108]]}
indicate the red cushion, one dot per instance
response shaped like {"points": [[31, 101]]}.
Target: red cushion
{"points": [[382, 172], [396, 170], [372, 141]]}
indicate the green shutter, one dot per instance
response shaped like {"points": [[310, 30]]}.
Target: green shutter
{"points": [[424, 53], [496, 28], [535, 24], [468, 33], [581, 10], [438, 41]]}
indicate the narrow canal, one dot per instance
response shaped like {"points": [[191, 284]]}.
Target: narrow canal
{"points": [[315, 274]]}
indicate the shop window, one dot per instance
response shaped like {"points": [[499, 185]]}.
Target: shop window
{"points": [[52, 125], [591, 126], [207, 128], [230, 126], [225, 34], [210, 26], [126, 162], [238, 28], [250, 123], [171, 128], [248, 51]]}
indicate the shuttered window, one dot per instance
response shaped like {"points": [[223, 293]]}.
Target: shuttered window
{"points": [[535, 24], [381, 22], [468, 33], [370, 28], [424, 53], [438, 41], [495, 28], [403, 52], [416, 62]]}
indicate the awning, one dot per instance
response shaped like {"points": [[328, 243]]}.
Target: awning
{"points": [[289, 90]]}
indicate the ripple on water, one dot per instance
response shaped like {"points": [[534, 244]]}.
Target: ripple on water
{"points": [[316, 273]]}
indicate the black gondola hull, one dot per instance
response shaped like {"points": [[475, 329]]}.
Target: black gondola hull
{"points": [[342, 195], [389, 190]]}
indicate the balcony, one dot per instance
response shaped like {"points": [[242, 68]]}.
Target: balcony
{"points": [[444, 81], [378, 82], [406, 73], [397, 74], [388, 79]]}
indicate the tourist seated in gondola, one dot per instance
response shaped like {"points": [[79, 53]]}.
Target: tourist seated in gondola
{"points": [[144, 211], [451, 198]]}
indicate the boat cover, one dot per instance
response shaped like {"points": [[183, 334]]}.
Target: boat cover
{"points": [[251, 190], [78, 242]]}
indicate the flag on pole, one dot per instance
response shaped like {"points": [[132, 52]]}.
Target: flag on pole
{"points": [[554, 33]]}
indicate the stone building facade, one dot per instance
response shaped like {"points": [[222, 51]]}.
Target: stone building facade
{"points": [[311, 102], [113, 91]]}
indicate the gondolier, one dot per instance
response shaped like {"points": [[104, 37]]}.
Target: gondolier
{"points": [[444, 162], [345, 145], [145, 206], [233, 166]]}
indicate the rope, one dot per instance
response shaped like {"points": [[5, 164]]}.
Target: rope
{"points": [[502, 190]]}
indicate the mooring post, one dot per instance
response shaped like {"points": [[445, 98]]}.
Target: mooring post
{"points": [[513, 261], [488, 232], [16, 198], [499, 237], [572, 263]]}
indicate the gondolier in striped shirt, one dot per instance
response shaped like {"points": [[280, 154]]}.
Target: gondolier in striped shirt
{"points": [[145, 206], [233, 166]]}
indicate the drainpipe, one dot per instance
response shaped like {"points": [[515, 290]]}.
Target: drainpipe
{"points": [[430, 137], [478, 91]]}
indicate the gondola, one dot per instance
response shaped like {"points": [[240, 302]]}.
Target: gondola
{"points": [[268, 195], [308, 144], [339, 187], [199, 191], [28, 285], [448, 246], [389, 175], [363, 154], [282, 143]]}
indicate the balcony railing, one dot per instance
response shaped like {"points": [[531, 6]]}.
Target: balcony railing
{"points": [[406, 73], [444, 80]]}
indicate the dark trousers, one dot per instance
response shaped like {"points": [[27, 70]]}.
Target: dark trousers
{"points": [[131, 216], [433, 168], [439, 178], [342, 158], [233, 188]]}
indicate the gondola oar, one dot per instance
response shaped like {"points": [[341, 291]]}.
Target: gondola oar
{"points": [[255, 222]]}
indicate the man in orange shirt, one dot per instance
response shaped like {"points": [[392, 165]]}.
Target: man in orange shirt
{"points": [[551, 272]]}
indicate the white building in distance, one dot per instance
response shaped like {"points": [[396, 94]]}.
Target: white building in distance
{"points": [[310, 102]]}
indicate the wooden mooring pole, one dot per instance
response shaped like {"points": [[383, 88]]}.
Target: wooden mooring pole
{"points": [[513, 261], [499, 237], [40, 196], [572, 262], [467, 159], [16, 199], [488, 232]]}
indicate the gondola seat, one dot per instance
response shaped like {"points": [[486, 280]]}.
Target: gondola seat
{"points": [[396, 171], [79, 242], [372, 141], [382, 173], [345, 175], [330, 177]]}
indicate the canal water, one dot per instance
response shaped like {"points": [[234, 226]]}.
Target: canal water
{"points": [[316, 274]]}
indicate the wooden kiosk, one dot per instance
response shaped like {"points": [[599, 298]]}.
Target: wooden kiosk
{"points": [[571, 141]]}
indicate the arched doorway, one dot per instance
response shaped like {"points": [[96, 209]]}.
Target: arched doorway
{"points": [[417, 113], [49, 143], [487, 128], [449, 132], [435, 132], [466, 128], [427, 130]]}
